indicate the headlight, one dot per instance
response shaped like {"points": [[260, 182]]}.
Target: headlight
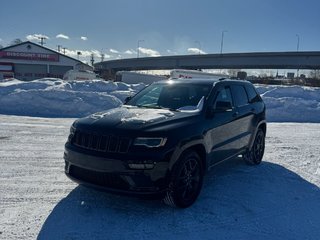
{"points": [[150, 142], [72, 132]]}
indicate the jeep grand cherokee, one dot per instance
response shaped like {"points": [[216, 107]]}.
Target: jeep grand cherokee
{"points": [[164, 139]]}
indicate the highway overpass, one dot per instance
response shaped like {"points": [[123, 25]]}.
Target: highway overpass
{"points": [[257, 60]]}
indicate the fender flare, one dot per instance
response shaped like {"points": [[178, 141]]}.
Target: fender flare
{"points": [[263, 122]]}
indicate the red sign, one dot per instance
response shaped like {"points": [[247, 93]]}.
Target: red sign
{"points": [[30, 56]]}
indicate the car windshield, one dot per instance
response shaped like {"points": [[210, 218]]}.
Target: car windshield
{"points": [[176, 96]]}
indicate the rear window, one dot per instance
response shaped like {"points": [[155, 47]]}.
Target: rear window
{"points": [[240, 95], [252, 94]]}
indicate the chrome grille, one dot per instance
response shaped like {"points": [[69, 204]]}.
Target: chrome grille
{"points": [[101, 143]]}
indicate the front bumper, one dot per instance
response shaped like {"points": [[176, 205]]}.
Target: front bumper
{"points": [[114, 175]]}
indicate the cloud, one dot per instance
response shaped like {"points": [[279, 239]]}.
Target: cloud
{"points": [[149, 52], [113, 50], [62, 36], [171, 52], [74, 53], [36, 36], [196, 51], [130, 52], [83, 38], [86, 53]]}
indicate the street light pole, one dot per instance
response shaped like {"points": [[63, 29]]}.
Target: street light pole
{"points": [[138, 49], [298, 45], [298, 42], [222, 38]]}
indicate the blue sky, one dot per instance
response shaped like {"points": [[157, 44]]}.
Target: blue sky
{"points": [[166, 27]]}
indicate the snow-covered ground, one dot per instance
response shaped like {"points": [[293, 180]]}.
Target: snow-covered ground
{"points": [[279, 199], [51, 97]]}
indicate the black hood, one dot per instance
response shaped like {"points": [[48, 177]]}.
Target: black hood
{"points": [[131, 118]]}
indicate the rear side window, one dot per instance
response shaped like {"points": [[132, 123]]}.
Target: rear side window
{"points": [[224, 95], [240, 95], [252, 94]]}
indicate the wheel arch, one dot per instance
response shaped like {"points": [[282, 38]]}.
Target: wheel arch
{"points": [[199, 149], [263, 126]]}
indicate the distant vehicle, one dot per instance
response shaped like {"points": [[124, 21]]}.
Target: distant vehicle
{"points": [[134, 77], [183, 73], [80, 75], [163, 140]]}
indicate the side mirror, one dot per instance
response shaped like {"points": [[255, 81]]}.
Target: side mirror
{"points": [[127, 99], [222, 106]]}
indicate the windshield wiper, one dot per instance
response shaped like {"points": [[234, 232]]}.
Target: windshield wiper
{"points": [[156, 107]]}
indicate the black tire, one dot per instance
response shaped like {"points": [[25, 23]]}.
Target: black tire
{"points": [[186, 181], [255, 154]]}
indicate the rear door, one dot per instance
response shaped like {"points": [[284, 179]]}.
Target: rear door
{"points": [[243, 116]]}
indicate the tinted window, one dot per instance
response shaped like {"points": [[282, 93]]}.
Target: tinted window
{"points": [[252, 94], [224, 95], [240, 95], [173, 96]]}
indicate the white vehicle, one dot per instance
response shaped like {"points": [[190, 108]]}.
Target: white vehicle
{"points": [[133, 77], [182, 73], [80, 75]]}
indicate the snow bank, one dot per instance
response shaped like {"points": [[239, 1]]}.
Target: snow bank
{"points": [[291, 103], [52, 97]]}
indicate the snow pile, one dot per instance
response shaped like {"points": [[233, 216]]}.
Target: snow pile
{"points": [[51, 97], [291, 103]]}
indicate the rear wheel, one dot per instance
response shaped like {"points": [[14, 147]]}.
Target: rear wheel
{"points": [[255, 154], [186, 181]]}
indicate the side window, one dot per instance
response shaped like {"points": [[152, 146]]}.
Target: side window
{"points": [[240, 95], [150, 98], [224, 96], [252, 94]]}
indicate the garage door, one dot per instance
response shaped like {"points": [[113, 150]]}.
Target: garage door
{"points": [[58, 71], [30, 71]]}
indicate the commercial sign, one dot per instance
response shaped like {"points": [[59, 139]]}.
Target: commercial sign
{"points": [[29, 56]]}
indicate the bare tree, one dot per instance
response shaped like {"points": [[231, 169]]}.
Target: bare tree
{"points": [[315, 74], [233, 72]]}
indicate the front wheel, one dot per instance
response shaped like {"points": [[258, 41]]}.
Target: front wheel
{"points": [[186, 181], [255, 155]]}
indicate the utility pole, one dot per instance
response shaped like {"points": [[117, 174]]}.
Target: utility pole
{"points": [[42, 40], [92, 59], [78, 54], [59, 48], [64, 50]]}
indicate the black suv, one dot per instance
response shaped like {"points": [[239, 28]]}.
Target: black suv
{"points": [[164, 139]]}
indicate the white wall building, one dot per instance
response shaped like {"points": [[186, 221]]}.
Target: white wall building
{"points": [[28, 61]]}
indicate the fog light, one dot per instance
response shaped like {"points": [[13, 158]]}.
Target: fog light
{"points": [[141, 165]]}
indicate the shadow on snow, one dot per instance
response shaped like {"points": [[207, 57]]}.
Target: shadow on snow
{"points": [[237, 202]]}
